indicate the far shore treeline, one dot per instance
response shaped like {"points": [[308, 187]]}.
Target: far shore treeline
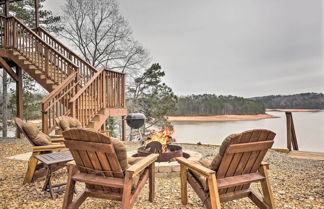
{"points": [[211, 104]]}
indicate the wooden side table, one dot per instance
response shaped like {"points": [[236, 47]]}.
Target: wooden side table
{"points": [[52, 162]]}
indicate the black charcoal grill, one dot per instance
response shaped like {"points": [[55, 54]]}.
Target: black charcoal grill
{"points": [[135, 120]]}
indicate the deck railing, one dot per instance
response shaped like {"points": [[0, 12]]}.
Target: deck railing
{"points": [[16, 35], [57, 102], [106, 89], [86, 70], [82, 91]]}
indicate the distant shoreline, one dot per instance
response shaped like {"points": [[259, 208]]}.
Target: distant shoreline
{"points": [[219, 118], [293, 110]]}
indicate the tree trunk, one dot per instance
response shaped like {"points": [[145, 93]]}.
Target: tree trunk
{"points": [[4, 103]]}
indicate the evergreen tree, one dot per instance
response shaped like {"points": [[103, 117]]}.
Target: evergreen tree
{"points": [[152, 97]]}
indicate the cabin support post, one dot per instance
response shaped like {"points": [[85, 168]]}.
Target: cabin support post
{"points": [[124, 128], [36, 13], [19, 98], [291, 134], [6, 8]]}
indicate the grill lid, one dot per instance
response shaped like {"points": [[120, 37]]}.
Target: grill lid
{"points": [[135, 120]]}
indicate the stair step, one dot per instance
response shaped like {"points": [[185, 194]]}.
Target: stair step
{"points": [[32, 67], [49, 81], [97, 117], [38, 72], [15, 52], [21, 58]]}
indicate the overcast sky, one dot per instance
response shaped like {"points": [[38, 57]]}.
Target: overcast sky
{"points": [[243, 47]]}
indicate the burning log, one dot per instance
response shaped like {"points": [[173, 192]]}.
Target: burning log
{"points": [[161, 143], [163, 137]]}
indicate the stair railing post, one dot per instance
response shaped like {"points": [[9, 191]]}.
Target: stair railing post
{"points": [[104, 89], [14, 35], [46, 60], [6, 37], [73, 110], [44, 117]]}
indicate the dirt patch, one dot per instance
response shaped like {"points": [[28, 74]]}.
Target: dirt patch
{"points": [[296, 184]]}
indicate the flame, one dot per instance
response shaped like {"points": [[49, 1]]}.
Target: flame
{"points": [[163, 136]]}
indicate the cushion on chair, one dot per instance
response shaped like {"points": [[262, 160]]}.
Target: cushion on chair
{"points": [[70, 122], [218, 158], [42, 139], [38, 137], [132, 161], [30, 129], [213, 164], [202, 180], [121, 152]]}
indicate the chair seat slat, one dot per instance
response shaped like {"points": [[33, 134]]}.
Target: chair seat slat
{"points": [[99, 180], [238, 180]]}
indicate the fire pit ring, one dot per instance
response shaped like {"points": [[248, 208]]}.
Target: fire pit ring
{"points": [[174, 151]]}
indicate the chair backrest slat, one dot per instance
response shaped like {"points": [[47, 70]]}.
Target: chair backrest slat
{"points": [[93, 152], [244, 155]]}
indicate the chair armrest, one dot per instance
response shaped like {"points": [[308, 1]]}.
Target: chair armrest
{"points": [[52, 147], [106, 132], [56, 136], [142, 164], [266, 164], [194, 166], [57, 140]]}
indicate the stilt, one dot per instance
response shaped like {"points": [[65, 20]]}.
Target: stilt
{"points": [[291, 134], [19, 98]]}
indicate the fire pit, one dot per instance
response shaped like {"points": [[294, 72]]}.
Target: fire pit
{"points": [[153, 147], [160, 143]]}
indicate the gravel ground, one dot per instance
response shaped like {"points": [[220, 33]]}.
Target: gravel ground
{"points": [[296, 184]]}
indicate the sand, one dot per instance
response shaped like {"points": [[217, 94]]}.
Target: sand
{"points": [[218, 118]]}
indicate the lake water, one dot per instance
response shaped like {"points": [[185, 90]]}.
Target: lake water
{"points": [[309, 127]]}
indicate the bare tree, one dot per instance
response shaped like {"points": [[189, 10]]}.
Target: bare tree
{"points": [[102, 35]]}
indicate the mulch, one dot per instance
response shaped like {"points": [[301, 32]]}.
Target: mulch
{"points": [[296, 183]]}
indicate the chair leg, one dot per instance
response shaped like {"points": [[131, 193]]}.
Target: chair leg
{"points": [[258, 201], [127, 192], [152, 182], [32, 163], [266, 187], [70, 187], [213, 191], [184, 192]]}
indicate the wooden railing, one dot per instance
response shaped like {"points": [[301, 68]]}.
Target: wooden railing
{"points": [[17, 36], [106, 89], [86, 71], [57, 102], [82, 91]]}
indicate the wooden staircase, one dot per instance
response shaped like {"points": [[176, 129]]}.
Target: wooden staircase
{"points": [[75, 87]]}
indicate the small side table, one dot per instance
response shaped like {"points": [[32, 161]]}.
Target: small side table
{"points": [[52, 162]]}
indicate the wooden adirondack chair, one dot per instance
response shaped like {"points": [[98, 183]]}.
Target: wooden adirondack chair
{"points": [[64, 117], [238, 164], [34, 169], [98, 165]]}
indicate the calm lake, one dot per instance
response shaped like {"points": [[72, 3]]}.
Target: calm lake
{"points": [[309, 128]]}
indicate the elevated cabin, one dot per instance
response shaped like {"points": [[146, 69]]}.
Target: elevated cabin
{"points": [[75, 87]]}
